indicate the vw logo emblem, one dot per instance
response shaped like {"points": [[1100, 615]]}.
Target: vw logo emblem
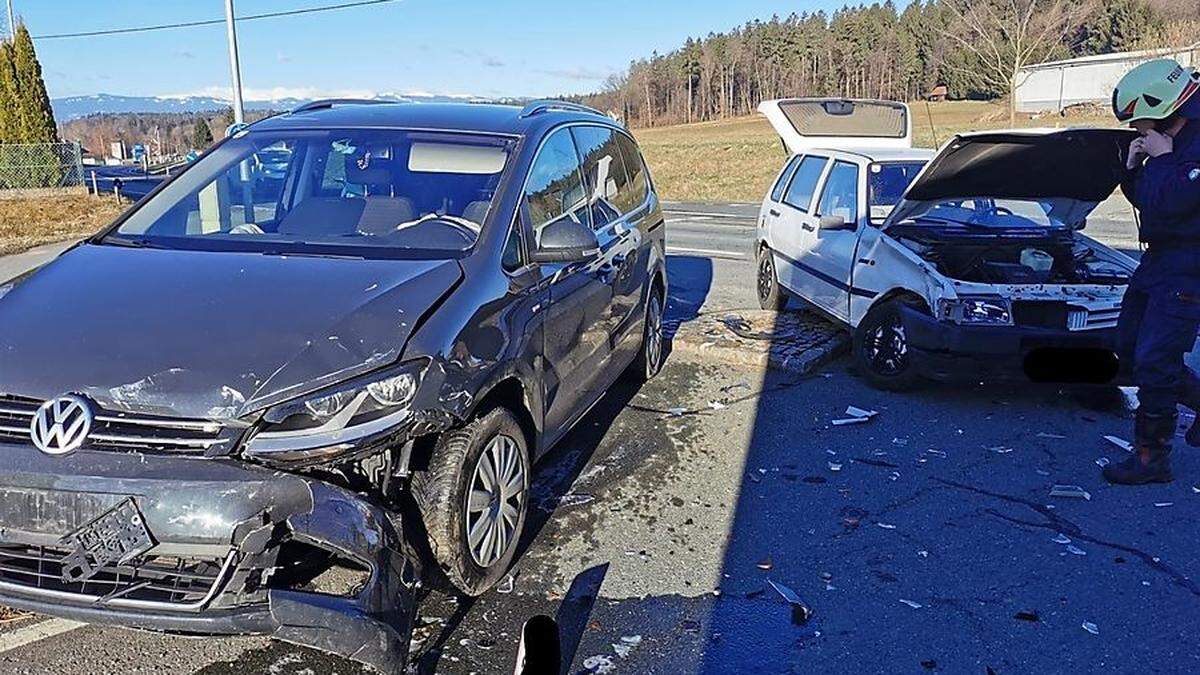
{"points": [[61, 425]]}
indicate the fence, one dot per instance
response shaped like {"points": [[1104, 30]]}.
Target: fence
{"points": [[32, 166], [1090, 79]]}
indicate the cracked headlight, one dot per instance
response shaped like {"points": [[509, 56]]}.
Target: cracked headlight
{"points": [[990, 310], [337, 420]]}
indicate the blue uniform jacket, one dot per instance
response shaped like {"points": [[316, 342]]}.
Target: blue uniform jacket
{"points": [[1166, 191]]}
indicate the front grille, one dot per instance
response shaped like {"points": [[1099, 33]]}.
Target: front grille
{"points": [[119, 430], [152, 579], [1083, 319]]}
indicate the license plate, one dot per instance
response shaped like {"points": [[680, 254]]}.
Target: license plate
{"points": [[113, 538]]}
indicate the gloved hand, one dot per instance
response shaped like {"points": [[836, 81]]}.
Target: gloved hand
{"points": [[1137, 153], [1157, 144]]}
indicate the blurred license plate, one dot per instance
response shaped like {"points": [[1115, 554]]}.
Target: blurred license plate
{"points": [[117, 536]]}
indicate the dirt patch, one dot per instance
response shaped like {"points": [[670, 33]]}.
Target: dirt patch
{"points": [[32, 221]]}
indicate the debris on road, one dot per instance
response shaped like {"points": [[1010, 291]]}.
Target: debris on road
{"points": [[1070, 492], [551, 504], [1031, 617], [765, 564], [716, 405], [627, 644], [855, 415], [1091, 628], [834, 466], [886, 526], [599, 664], [1120, 443], [1103, 462], [1061, 539], [1075, 550], [1057, 437], [999, 449], [801, 612], [507, 584], [1163, 505], [910, 603]]}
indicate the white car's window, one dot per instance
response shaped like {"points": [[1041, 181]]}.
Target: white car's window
{"points": [[840, 194], [800, 191], [777, 191]]}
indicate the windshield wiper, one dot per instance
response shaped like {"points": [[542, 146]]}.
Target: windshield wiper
{"points": [[125, 242]]}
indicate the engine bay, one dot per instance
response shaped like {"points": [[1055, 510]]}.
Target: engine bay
{"points": [[1041, 256]]}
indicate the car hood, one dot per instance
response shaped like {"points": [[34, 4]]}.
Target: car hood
{"points": [[1082, 166], [212, 335]]}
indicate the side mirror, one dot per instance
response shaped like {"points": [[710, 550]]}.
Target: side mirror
{"points": [[564, 240], [834, 222]]}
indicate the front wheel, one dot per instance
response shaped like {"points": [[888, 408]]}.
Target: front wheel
{"points": [[881, 349], [473, 500], [770, 294]]}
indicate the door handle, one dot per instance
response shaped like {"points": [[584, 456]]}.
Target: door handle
{"points": [[774, 212], [807, 227]]}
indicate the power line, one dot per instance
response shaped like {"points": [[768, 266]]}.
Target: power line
{"points": [[212, 22]]}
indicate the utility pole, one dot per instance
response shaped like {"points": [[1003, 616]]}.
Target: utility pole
{"points": [[239, 115], [12, 22]]}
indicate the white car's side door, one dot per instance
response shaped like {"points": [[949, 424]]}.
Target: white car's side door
{"points": [[792, 231], [839, 215]]}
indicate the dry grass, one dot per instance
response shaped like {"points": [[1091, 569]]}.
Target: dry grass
{"points": [[736, 160], [8, 615], [27, 222]]}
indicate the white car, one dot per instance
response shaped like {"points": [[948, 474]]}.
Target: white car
{"points": [[967, 263]]}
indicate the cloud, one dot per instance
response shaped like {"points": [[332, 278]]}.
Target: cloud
{"points": [[578, 73], [224, 93], [283, 58], [493, 62]]}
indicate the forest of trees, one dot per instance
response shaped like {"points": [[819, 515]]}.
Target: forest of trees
{"points": [[972, 47], [164, 134]]}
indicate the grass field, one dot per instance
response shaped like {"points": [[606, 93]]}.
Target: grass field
{"points": [[32, 221], [735, 160]]}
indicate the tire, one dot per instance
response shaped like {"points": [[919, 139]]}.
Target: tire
{"points": [[653, 353], [472, 565], [881, 349], [770, 294]]}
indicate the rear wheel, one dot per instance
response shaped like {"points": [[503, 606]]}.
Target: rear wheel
{"points": [[473, 500], [770, 294], [650, 359], [881, 349]]}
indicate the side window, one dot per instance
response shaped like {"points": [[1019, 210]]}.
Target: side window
{"points": [[635, 195], [840, 196], [603, 172], [777, 191], [513, 256], [555, 187], [800, 191]]}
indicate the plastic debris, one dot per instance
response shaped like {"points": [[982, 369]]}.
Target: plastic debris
{"points": [[845, 421], [765, 564], [910, 603], [1091, 628], [627, 644], [1120, 443], [599, 664], [834, 466], [1061, 539], [1070, 492], [800, 611], [1163, 505], [855, 415], [1057, 437], [886, 526], [1000, 449], [1196, 489], [507, 584], [1075, 550], [716, 405], [1103, 462], [677, 412], [549, 505]]}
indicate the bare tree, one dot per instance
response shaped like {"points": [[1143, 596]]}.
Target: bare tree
{"points": [[1003, 36]]}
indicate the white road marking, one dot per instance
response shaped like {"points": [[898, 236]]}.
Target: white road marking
{"points": [[694, 220], [710, 214], [20, 637], [706, 252]]}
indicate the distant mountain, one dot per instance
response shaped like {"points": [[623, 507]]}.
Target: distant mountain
{"points": [[74, 107]]}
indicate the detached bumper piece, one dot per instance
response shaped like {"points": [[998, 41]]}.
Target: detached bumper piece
{"points": [[237, 550], [943, 350]]}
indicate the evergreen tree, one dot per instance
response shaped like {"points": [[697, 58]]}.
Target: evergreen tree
{"points": [[35, 117], [201, 135], [9, 127]]}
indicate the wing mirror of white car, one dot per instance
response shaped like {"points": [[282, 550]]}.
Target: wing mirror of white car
{"points": [[834, 222]]}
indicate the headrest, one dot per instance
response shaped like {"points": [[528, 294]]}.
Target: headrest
{"points": [[370, 168]]}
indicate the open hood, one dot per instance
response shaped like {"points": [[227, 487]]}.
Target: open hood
{"points": [[1078, 166], [805, 123]]}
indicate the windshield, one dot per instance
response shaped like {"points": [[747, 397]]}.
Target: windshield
{"points": [[358, 192], [987, 212], [886, 184]]}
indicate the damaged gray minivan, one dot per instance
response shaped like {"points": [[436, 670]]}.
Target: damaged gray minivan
{"points": [[274, 395]]}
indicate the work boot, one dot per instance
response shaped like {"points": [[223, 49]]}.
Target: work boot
{"points": [[1151, 460]]}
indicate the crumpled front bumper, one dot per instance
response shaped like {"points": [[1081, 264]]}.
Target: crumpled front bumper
{"points": [[945, 351], [221, 510]]}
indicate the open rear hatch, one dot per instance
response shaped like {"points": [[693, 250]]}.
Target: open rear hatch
{"points": [[804, 123]]}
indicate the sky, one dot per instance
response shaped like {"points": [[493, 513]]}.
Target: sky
{"points": [[488, 48]]}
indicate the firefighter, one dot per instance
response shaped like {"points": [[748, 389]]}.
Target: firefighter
{"points": [[1161, 311]]}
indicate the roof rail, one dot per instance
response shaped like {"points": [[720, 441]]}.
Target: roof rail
{"points": [[544, 105], [325, 103]]}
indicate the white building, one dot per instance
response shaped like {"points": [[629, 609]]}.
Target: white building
{"points": [[1055, 85]]}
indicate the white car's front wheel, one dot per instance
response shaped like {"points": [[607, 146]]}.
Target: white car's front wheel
{"points": [[881, 349]]}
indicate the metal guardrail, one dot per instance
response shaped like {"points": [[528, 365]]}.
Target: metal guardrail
{"points": [[29, 166]]}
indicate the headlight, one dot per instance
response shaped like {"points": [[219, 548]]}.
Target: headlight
{"points": [[980, 310], [336, 420]]}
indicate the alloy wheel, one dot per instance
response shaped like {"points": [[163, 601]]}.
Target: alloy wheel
{"points": [[766, 275], [887, 347], [496, 501], [654, 335]]}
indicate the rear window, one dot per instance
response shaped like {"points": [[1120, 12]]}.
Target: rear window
{"points": [[800, 192], [861, 119]]}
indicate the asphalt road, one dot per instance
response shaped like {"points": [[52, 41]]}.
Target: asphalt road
{"points": [[923, 540]]}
